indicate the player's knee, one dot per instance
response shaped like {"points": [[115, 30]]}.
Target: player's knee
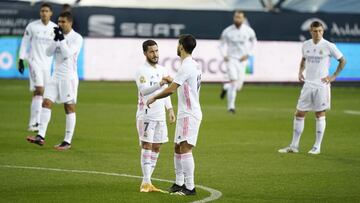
{"points": [[177, 148], [319, 114], [47, 104], [69, 108], [300, 113], [146, 145], [156, 148], [39, 91], [185, 147]]}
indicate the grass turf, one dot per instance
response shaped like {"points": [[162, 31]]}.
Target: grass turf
{"points": [[236, 154]]}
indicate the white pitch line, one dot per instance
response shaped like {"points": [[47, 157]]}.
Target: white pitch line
{"points": [[352, 112], [214, 194]]}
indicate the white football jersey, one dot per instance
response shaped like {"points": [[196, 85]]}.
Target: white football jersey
{"points": [[189, 79], [148, 82], [317, 59], [36, 39], [66, 55], [237, 42]]}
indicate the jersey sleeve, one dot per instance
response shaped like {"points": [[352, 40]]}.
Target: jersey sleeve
{"points": [[143, 84], [335, 52], [222, 44], [25, 42], [181, 76], [252, 42], [70, 49]]}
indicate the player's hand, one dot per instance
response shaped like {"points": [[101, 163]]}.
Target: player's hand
{"points": [[301, 77], [56, 32], [167, 79], [172, 117], [328, 79], [226, 59], [61, 35], [150, 101], [244, 58], [21, 67]]}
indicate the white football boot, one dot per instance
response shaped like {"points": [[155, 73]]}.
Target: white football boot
{"points": [[289, 149], [314, 151]]}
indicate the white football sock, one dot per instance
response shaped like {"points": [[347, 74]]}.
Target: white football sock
{"points": [[146, 165], [35, 109], [298, 129], [154, 158], [70, 127], [231, 96], [320, 130], [188, 164], [178, 170], [44, 121]]}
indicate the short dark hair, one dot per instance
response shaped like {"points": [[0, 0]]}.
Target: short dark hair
{"points": [[239, 11], [67, 15], [46, 5], [316, 24], [188, 42], [147, 44]]}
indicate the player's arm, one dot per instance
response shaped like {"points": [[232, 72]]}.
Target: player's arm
{"points": [[145, 88], [25, 43], [170, 109], [69, 50], [301, 70], [50, 50], [166, 92], [222, 46], [339, 68], [252, 43]]}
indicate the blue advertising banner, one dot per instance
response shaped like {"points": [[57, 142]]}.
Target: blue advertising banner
{"points": [[9, 49]]}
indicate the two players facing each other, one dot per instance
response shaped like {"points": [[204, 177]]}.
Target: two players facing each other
{"points": [[44, 40], [154, 89]]}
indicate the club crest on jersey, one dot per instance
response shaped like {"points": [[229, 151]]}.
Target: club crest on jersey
{"points": [[142, 79], [321, 52]]}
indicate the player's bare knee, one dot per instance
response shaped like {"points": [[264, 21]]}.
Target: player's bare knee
{"points": [[300, 114], [69, 108], [39, 91], [146, 145], [177, 148], [156, 147], [47, 104], [319, 114], [185, 147]]}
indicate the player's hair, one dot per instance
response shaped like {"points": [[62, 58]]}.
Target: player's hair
{"points": [[239, 11], [67, 15], [46, 5], [188, 42], [316, 24], [147, 44]]}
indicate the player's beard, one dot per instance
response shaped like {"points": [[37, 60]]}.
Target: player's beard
{"points": [[153, 61], [178, 51]]}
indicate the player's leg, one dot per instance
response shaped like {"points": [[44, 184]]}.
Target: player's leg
{"points": [[37, 86], [69, 126], [45, 117], [303, 106], [160, 137], [242, 74], [187, 138], [322, 103], [232, 90], [146, 136]]}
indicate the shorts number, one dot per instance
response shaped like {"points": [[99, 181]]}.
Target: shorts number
{"points": [[146, 126]]}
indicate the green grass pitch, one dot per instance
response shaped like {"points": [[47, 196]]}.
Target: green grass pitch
{"points": [[236, 154]]}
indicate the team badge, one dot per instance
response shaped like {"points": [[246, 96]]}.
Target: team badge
{"points": [[142, 79], [321, 52]]}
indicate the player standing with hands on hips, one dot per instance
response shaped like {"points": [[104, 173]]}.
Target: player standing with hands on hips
{"points": [[187, 83], [315, 94], [63, 85], [37, 37]]}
